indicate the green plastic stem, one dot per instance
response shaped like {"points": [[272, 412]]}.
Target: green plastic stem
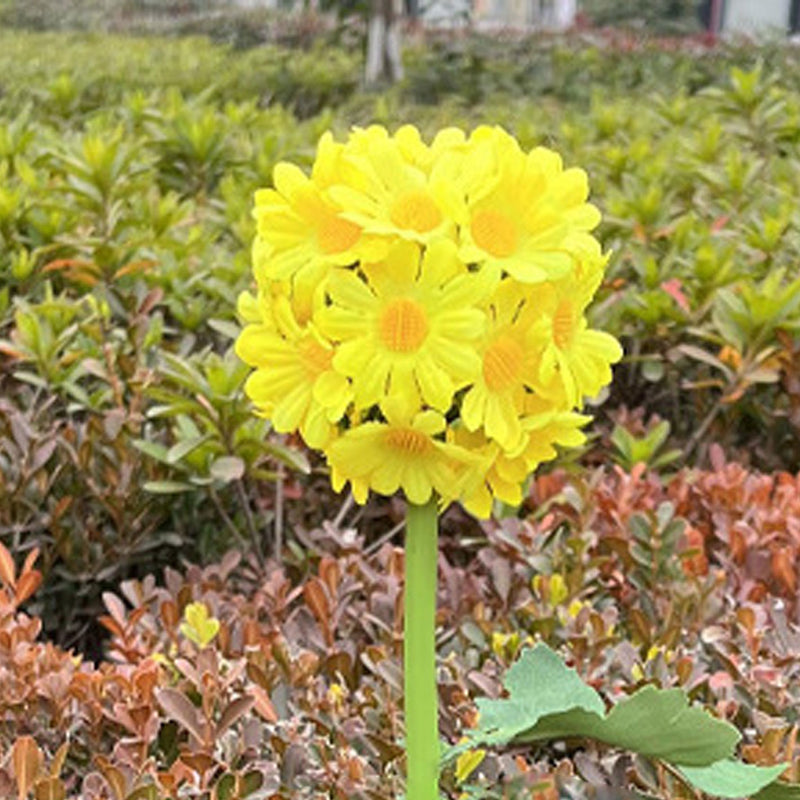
{"points": [[419, 653]]}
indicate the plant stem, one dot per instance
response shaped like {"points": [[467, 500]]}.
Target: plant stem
{"points": [[700, 432], [249, 520], [279, 501], [419, 653]]}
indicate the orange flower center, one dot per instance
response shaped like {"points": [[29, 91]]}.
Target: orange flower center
{"points": [[315, 358], [403, 325], [416, 211], [502, 364], [494, 232], [563, 324], [335, 235], [303, 308], [408, 441]]}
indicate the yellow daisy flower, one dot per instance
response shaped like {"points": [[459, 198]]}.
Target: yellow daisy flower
{"points": [[420, 155], [294, 383], [248, 307], [509, 367], [420, 311], [502, 473], [480, 481], [386, 194], [299, 226], [546, 428], [283, 305], [409, 328], [522, 212], [401, 453], [576, 361]]}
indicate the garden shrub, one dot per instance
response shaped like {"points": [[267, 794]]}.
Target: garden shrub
{"points": [[127, 168], [290, 679], [662, 16]]}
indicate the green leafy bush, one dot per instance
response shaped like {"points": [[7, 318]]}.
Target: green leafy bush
{"points": [[127, 168], [663, 16]]}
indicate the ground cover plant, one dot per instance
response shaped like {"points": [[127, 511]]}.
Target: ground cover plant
{"points": [[219, 678], [127, 446]]}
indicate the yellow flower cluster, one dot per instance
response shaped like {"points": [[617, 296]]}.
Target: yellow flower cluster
{"points": [[420, 311]]}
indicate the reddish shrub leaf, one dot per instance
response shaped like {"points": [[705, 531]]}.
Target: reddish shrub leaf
{"points": [[49, 789], [113, 776], [28, 583], [180, 708], [263, 704], [783, 569], [27, 759], [8, 573], [30, 560], [317, 600], [233, 711]]}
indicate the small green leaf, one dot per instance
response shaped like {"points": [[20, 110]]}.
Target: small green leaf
{"points": [[252, 782], [227, 469], [294, 458], [653, 371], [225, 327], [185, 446], [167, 487], [467, 763], [199, 627], [698, 354], [152, 449], [731, 778], [225, 788], [143, 793]]}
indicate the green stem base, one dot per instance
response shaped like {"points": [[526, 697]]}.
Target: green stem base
{"points": [[419, 653]]}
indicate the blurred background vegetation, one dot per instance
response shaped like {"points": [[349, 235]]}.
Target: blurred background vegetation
{"points": [[249, 22]]}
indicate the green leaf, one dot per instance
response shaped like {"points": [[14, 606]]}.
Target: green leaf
{"points": [[167, 487], [172, 409], [251, 782], [779, 791], [227, 469], [539, 685], [698, 354], [225, 787], [665, 459], [657, 436], [653, 371], [225, 328], [731, 778], [291, 457], [184, 447], [198, 626], [143, 793], [152, 449], [547, 701], [660, 723]]}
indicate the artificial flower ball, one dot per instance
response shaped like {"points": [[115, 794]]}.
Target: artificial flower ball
{"points": [[419, 314]]}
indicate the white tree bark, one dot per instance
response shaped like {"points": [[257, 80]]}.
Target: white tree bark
{"points": [[384, 57], [564, 12]]}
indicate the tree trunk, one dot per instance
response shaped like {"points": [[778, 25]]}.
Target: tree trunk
{"points": [[564, 12], [384, 60]]}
